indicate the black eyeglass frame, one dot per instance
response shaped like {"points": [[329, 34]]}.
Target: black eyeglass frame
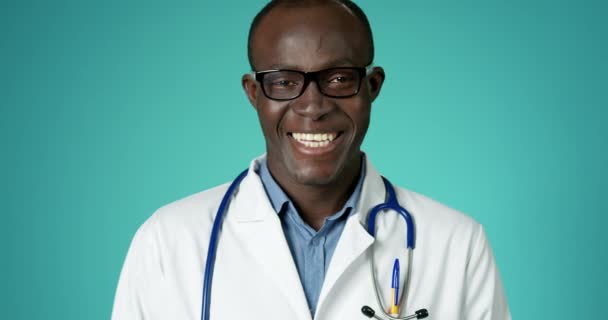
{"points": [[313, 76]]}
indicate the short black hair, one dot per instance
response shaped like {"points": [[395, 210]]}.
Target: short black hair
{"points": [[353, 7]]}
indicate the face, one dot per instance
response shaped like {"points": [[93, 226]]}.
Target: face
{"points": [[313, 139]]}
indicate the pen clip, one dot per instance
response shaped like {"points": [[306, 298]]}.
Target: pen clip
{"points": [[395, 288]]}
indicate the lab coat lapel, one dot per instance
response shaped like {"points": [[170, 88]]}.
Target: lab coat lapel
{"points": [[355, 240], [264, 240]]}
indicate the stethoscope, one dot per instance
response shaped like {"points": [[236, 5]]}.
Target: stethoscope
{"points": [[391, 204]]}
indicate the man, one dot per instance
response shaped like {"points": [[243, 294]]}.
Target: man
{"points": [[294, 244]]}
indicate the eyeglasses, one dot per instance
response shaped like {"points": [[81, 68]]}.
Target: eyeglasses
{"points": [[285, 85]]}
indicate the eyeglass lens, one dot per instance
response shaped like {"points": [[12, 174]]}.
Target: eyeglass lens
{"points": [[336, 82]]}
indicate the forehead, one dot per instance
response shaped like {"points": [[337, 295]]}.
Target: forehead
{"points": [[309, 38]]}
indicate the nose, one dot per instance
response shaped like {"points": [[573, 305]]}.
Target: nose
{"points": [[311, 103]]}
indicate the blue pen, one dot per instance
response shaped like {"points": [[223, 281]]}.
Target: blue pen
{"points": [[394, 311]]}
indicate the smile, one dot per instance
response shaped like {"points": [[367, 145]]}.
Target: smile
{"points": [[314, 140]]}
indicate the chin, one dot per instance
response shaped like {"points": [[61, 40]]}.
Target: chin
{"points": [[316, 175]]}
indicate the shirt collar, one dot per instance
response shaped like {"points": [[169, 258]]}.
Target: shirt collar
{"points": [[278, 198], [276, 195]]}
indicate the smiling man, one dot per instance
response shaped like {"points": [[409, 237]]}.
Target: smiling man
{"points": [[313, 91], [293, 234]]}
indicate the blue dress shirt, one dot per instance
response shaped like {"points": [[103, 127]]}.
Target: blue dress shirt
{"points": [[311, 250]]}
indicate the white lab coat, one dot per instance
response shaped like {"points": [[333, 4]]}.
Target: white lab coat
{"points": [[454, 275]]}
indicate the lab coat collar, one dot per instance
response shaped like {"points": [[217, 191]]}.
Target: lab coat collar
{"points": [[370, 195], [255, 194], [262, 238], [256, 220]]}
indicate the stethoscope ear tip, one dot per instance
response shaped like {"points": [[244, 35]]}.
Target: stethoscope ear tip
{"points": [[367, 311], [422, 313], [370, 313]]}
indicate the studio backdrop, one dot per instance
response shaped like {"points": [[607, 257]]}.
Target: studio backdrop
{"points": [[111, 109]]}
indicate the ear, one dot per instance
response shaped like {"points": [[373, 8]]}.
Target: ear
{"points": [[250, 86], [375, 81]]}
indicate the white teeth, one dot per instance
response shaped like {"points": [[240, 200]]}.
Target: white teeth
{"points": [[315, 144], [314, 136], [314, 140]]}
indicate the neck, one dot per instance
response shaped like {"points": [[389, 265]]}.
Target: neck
{"points": [[317, 202]]}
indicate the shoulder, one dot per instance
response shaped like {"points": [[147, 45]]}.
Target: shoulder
{"points": [[434, 216], [431, 207], [194, 211], [178, 229]]}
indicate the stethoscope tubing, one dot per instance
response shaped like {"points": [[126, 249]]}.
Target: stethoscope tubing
{"points": [[213, 242], [390, 204]]}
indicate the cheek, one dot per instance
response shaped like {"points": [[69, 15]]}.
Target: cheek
{"points": [[270, 117], [360, 116]]}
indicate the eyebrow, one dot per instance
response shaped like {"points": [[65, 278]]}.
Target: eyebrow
{"points": [[344, 62]]}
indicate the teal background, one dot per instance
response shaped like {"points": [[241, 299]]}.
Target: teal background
{"points": [[110, 110]]}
